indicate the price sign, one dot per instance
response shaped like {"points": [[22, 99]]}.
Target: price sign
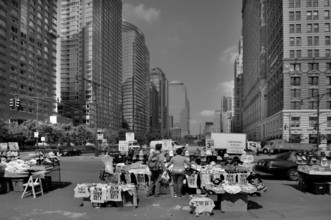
{"points": [[36, 134], [209, 143]]}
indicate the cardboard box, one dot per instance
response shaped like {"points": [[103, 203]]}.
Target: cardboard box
{"points": [[17, 185], [233, 202]]}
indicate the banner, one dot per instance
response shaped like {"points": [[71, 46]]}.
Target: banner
{"points": [[123, 146], [13, 146]]}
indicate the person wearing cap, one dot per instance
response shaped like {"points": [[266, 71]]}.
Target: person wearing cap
{"points": [[208, 155]]}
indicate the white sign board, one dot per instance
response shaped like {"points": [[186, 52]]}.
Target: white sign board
{"points": [[129, 136], [123, 146], [36, 134], [43, 139], [209, 143], [13, 146], [100, 137], [53, 119], [235, 143]]}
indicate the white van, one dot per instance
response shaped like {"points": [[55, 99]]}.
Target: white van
{"points": [[167, 144]]}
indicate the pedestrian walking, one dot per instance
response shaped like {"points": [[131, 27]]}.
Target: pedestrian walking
{"points": [[178, 171], [157, 167]]}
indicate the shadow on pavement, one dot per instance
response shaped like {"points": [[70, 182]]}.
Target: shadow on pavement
{"points": [[253, 205], [57, 185]]}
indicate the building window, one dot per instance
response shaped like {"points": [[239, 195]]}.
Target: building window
{"points": [[328, 67], [295, 81], [291, 28], [298, 53], [295, 122], [316, 27], [316, 53], [309, 3], [326, 2], [327, 40], [309, 28], [298, 41], [298, 15], [312, 105], [327, 53], [295, 67], [315, 3], [327, 27], [291, 4], [312, 122], [313, 80], [298, 28], [327, 14], [328, 104], [316, 40], [296, 105], [328, 122], [310, 53], [297, 3], [295, 93], [315, 15], [291, 15], [312, 93], [309, 15], [310, 41], [328, 80], [292, 55], [312, 138], [328, 92], [292, 42]]}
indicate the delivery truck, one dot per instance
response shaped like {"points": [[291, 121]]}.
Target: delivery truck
{"points": [[233, 143], [167, 144]]}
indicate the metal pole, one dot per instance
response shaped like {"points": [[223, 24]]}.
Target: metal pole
{"points": [[289, 128], [318, 120]]}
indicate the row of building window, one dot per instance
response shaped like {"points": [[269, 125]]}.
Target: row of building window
{"points": [[311, 28], [312, 80], [312, 93], [310, 53], [311, 41], [310, 15], [309, 3], [295, 122], [311, 105], [311, 66]]}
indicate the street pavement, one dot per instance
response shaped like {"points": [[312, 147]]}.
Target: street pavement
{"points": [[281, 201]]}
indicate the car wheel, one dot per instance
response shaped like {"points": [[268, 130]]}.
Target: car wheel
{"points": [[265, 151], [292, 174]]}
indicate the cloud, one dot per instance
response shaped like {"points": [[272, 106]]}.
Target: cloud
{"points": [[140, 12], [193, 121], [226, 88], [229, 55], [207, 113]]}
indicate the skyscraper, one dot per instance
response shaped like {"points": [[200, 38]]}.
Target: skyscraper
{"points": [[27, 59], [179, 107], [237, 121], [297, 82], [136, 80], [160, 108], [91, 62]]}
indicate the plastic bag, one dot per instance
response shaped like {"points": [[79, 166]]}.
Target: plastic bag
{"points": [[165, 176]]}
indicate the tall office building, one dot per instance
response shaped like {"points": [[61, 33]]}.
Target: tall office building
{"points": [[136, 80], [254, 73], [160, 106], [179, 108], [91, 62], [237, 122], [217, 121], [226, 104], [27, 59], [298, 78]]}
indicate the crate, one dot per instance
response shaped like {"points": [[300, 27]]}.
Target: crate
{"points": [[317, 188], [233, 202], [17, 185]]}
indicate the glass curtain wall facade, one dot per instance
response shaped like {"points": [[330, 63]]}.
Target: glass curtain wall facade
{"points": [[136, 80], [91, 62]]}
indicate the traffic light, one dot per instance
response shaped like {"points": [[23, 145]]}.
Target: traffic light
{"points": [[17, 103], [12, 103]]}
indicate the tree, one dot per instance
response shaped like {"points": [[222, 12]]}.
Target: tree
{"points": [[4, 135]]}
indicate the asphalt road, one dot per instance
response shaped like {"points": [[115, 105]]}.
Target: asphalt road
{"points": [[281, 201]]}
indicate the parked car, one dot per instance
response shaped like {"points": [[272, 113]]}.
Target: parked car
{"points": [[70, 152], [282, 164]]}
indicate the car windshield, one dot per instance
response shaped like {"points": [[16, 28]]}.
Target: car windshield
{"points": [[283, 156]]}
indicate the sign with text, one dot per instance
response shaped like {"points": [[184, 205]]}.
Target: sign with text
{"points": [[13, 146], [167, 145], [129, 136], [209, 143], [123, 146]]}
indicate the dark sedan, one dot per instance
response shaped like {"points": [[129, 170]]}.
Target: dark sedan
{"points": [[71, 152], [282, 164]]}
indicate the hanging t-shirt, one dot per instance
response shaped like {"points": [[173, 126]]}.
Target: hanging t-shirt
{"points": [[230, 177], [242, 177], [140, 179], [192, 181], [202, 205], [81, 191], [205, 179], [127, 177], [114, 193], [97, 195]]}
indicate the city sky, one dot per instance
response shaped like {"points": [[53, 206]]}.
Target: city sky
{"points": [[192, 41]]}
